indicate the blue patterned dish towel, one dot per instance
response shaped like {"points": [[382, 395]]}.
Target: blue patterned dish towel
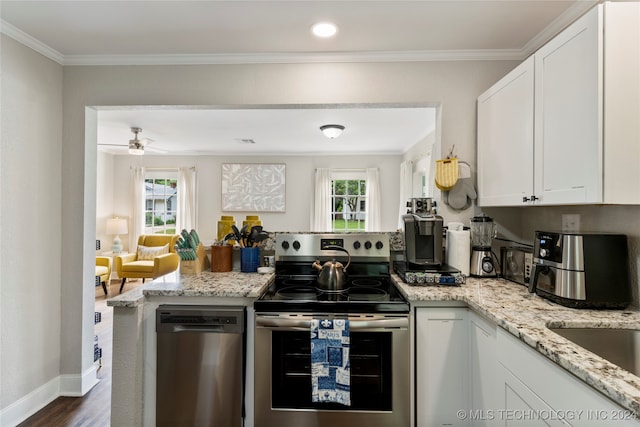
{"points": [[330, 368]]}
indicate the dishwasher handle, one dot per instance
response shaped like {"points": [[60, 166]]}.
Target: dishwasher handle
{"points": [[200, 319], [203, 329]]}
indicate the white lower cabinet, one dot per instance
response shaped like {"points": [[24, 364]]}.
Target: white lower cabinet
{"points": [[483, 365], [469, 372], [538, 392], [442, 374], [522, 407]]}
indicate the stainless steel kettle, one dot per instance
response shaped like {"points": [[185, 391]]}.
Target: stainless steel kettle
{"points": [[333, 275]]}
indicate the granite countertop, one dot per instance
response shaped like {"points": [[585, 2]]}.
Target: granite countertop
{"points": [[526, 316], [509, 305], [206, 284]]}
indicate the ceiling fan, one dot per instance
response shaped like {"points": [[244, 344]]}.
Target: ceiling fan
{"points": [[137, 146]]}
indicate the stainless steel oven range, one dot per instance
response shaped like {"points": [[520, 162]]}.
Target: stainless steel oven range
{"points": [[379, 334]]}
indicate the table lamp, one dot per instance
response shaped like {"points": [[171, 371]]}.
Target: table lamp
{"points": [[117, 226]]}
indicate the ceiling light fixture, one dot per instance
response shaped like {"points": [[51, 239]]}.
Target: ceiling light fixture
{"points": [[136, 146], [332, 131], [324, 29]]}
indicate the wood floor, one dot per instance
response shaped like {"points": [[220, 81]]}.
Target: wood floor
{"points": [[94, 408]]}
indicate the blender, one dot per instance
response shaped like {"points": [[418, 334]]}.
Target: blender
{"points": [[483, 230]]}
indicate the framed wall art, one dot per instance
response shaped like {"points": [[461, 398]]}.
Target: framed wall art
{"points": [[253, 187]]}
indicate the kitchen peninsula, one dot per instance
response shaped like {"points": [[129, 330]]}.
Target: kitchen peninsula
{"points": [[510, 308]]}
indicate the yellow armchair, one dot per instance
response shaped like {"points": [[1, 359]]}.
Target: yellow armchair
{"points": [[147, 260], [103, 271]]}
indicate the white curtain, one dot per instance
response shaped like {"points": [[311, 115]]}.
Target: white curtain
{"points": [[186, 199], [321, 220], [406, 188], [372, 195], [137, 207]]}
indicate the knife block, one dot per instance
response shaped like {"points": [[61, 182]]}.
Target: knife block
{"points": [[198, 265]]}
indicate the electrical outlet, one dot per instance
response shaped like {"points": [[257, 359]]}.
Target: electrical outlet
{"points": [[570, 223]]}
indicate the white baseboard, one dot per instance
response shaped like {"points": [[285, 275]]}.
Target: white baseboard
{"points": [[28, 405], [78, 385], [63, 385]]}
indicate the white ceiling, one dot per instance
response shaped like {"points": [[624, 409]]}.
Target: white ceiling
{"points": [[294, 131], [89, 32]]}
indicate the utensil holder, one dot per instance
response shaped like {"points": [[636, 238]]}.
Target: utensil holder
{"points": [[221, 258], [249, 260]]}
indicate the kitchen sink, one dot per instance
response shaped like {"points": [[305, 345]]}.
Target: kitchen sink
{"points": [[619, 346]]}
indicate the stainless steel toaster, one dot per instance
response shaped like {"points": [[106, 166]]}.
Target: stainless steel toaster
{"points": [[516, 263]]}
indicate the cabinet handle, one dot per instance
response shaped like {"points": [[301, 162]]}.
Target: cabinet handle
{"points": [[525, 199], [534, 198]]}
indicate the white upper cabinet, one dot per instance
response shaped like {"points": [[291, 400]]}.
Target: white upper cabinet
{"points": [[568, 137], [622, 103], [505, 139], [584, 133]]}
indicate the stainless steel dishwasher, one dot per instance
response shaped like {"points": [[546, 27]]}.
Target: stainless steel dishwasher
{"points": [[200, 365]]}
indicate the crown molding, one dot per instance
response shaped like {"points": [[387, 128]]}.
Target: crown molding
{"points": [[261, 58], [570, 15], [575, 11], [297, 58], [35, 44]]}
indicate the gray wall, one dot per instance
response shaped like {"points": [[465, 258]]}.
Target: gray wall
{"points": [[31, 242]]}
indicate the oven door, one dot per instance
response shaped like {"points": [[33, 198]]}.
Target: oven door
{"points": [[379, 361]]}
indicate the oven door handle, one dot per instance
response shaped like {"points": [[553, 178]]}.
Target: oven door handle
{"points": [[354, 325]]}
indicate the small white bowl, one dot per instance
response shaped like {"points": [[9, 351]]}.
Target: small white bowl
{"points": [[266, 270]]}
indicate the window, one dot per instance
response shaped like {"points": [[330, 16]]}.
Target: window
{"points": [[348, 204], [161, 192], [346, 200]]}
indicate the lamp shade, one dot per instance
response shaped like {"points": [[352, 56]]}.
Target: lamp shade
{"points": [[332, 131], [117, 226]]}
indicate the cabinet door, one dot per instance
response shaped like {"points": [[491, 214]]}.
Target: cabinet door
{"points": [[442, 380], [505, 139], [522, 406], [485, 384], [536, 387], [568, 110], [622, 103]]}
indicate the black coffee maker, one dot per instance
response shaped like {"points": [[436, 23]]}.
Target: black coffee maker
{"points": [[423, 241]]}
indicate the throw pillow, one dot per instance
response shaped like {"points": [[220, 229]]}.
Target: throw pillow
{"points": [[150, 252]]}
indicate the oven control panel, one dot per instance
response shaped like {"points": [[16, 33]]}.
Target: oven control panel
{"points": [[365, 245]]}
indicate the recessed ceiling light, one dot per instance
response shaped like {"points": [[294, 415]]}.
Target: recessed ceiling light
{"points": [[324, 29]]}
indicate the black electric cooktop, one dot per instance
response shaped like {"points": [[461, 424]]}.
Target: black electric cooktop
{"points": [[369, 289]]}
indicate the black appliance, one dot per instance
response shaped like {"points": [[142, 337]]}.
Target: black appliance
{"points": [[423, 240], [379, 333], [423, 251], [581, 270]]}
